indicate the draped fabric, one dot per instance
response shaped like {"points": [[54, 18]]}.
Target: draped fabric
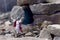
{"points": [[28, 16]]}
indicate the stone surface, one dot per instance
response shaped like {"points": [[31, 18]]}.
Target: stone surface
{"points": [[4, 15], [55, 18], [47, 8], [56, 38], [45, 34], [39, 18], [21, 2], [54, 29], [28, 34], [53, 1]]}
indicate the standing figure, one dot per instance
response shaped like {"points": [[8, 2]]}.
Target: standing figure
{"points": [[17, 26]]}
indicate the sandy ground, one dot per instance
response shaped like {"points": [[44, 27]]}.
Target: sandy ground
{"points": [[23, 38]]}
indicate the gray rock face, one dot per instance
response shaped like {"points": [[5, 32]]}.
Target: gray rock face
{"points": [[47, 8], [54, 29], [20, 2]]}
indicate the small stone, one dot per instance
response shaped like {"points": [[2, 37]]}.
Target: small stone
{"points": [[28, 34], [8, 35]]}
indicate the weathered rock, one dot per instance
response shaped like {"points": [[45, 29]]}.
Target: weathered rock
{"points": [[45, 34], [8, 35], [16, 11], [21, 2], [45, 24], [5, 15], [28, 34], [55, 18], [39, 18], [53, 1], [47, 8], [8, 26], [54, 29]]}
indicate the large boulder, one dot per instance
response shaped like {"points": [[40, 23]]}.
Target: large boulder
{"points": [[54, 29], [47, 8], [55, 18], [45, 34], [21, 2]]}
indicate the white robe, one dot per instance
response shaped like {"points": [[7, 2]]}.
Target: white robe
{"points": [[17, 26]]}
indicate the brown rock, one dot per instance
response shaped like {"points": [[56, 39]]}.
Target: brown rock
{"points": [[21, 2]]}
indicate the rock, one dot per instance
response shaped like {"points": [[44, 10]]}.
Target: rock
{"points": [[4, 15], [48, 8], [35, 32], [55, 18], [39, 18], [7, 23], [26, 28], [56, 38], [54, 29], [53, 1], [8, 27], [45, 24], [8, 35], [16, 11], [28, 34], [45, 34], [21, 2]]}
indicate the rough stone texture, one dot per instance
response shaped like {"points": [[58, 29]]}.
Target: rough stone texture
{"points": [[28, 34], [21, 2], [47, 8], [54, 29], [55, 18], [45, 24], [39, 18], [5, 15], [56, 38], [53, 1], [16, 11], [45, 34]]}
